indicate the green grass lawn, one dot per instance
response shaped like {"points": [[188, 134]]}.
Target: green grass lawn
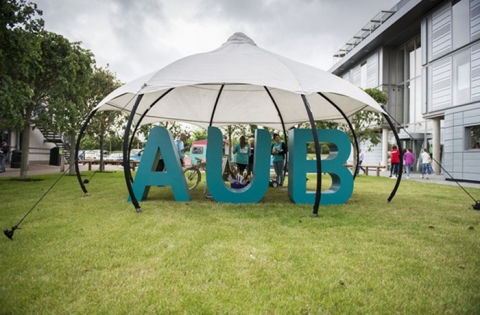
{"points": [[76, 254]]}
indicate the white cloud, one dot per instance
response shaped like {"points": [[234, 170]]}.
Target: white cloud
{"points": [[136, 37]]}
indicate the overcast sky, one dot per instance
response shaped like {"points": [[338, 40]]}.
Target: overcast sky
{"points": [[138, 36]]}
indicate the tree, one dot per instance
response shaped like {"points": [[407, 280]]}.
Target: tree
{"points": [[104, 124], [174, 127], [66, 104], [365, 123], [58, 85], [19, 51]]}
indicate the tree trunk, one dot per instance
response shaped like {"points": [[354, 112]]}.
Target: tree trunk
{"points": [[26, 142], [102, 140], [73, 158]]}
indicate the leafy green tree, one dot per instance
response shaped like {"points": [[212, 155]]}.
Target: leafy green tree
{"points": [[88, 143], [104, 125], [143, 131], [365, 123], [19, 51], [58, 84], [66, 104], [199, 134], [175, 128]]}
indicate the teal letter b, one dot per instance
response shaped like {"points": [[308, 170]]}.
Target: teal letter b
{"points": [[342, 180]]}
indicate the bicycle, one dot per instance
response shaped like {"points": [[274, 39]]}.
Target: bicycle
{"points": [[193, 174]]}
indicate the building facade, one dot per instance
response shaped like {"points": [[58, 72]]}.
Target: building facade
{"points": [[39, 150], [426, 56]]}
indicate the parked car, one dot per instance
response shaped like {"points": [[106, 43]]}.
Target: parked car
{"points": [[92, 155], [137, 156], [115, 157]]}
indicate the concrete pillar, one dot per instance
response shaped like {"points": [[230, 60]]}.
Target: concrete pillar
{"points": [[436, 146], [384, 147]]}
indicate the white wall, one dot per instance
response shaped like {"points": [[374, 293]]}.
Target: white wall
{"points": [[39, 151]]}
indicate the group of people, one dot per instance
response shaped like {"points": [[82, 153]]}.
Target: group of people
{"points": [[408, 161], [244, 155]]}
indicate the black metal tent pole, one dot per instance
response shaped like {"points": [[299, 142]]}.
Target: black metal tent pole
{"points": [[126, 157], [213, 114], [276, 107], [130, 144], [77, 149], [349, 126], [137, 125], [216, 104], [127, 144], [318, 193], [283, 127], [397, 139]]}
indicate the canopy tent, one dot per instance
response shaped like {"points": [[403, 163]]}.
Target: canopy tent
{"points": [[238, 83], [246, 72]]}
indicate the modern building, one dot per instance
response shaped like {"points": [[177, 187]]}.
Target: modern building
{"points": [[426, 56], [43, 145]]}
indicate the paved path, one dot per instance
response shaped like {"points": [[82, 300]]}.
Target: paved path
{"points": [[435, 179], [38, 169]]}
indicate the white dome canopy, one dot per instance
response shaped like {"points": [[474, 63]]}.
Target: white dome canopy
{"points": [[238, 83]]}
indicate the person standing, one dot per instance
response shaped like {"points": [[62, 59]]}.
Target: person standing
{"points": [[180, 143], [361, 156], [395, 161], [278, 149], [425, 156], [242, 152], [409, 159], [4, 150], [161, 164], [251, 144]]}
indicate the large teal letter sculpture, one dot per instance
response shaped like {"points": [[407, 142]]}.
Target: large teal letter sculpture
{"points": [[160, 140], [252, 193], [298, 166]]}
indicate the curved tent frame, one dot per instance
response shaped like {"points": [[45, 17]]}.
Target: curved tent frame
{"points": [[226, 86]]}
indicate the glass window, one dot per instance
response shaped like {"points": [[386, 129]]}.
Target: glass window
{"points": [[410, 104], [197, 150], [473, 136], [418, 57], [400, 63], [399, 103], [414, 59], [461, 78], [460, 23], [418, 101], [363, 75], [411, 72], [415, 101], [410, 49]]}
